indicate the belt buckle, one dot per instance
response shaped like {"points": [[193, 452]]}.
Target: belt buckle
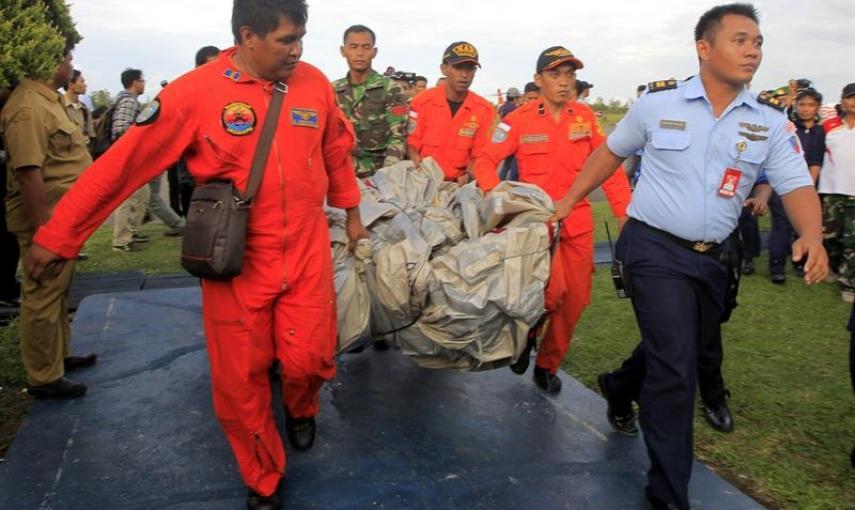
{"points": [[701, 247]]}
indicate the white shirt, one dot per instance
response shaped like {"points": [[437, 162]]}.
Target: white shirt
{"points": [[838, 168]]}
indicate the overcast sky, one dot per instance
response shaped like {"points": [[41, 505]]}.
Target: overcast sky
{"points": [[622, 43]]}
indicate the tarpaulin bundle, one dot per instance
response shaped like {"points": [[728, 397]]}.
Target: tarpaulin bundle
{"points": [[450, 277]]}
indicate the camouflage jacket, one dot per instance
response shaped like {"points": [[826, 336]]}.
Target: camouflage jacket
{"points": [[378, 111]]}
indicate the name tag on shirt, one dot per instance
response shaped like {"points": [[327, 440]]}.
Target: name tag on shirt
{"points": [[730, 183]]}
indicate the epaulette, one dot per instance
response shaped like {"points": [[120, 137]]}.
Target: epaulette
{"points": [[657, 86], [769, 100]]}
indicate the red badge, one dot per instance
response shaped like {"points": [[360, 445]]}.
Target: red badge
{"points": [[730, 183], [399, 111]]}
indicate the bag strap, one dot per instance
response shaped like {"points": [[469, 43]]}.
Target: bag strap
{"points": [[262, 150]]}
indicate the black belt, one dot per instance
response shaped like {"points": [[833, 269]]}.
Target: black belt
{"points": [[695, 246]]}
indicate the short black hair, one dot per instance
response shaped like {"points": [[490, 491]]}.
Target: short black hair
{"points": [[359, 29], [710, 21], [75, 75], [205, 53], [531, 87], [262, 16], [129, 76], [420, 78], [809, 92]]}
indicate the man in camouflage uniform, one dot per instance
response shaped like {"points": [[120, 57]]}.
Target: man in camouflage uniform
{"points": [[373, 103]]}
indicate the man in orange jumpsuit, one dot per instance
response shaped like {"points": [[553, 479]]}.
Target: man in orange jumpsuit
{"points": [[282, 306], [450, 123], [551, 138]]}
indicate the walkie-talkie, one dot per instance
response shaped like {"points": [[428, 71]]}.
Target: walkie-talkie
{"points": [[619, 279]]}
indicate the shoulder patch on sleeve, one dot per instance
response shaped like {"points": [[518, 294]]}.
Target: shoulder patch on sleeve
{"points": [[149, 114], [767, 99], [657, 86]]}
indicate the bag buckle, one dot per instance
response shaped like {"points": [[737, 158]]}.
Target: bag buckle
{"points": [[280, 87]]}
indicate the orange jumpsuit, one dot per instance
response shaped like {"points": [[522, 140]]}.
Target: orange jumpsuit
{"points": [[451, 142], [551, 154], [282, 306]]}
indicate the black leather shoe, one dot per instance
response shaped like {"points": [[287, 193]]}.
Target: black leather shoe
{"points": [[549, 383], [73, 363], [748, 267], [301, 432], [622, 423], [657, 503], [255, 501], [61, 388], [718, 416], [521, 364], [778, 278]]}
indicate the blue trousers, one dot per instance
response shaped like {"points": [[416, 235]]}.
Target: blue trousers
{"points": [[678, 298]]}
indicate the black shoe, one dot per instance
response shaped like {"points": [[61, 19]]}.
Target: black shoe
{"points": [[549, 383], [72, 363], [255, 501], [800, 271], [718, 416], [521, 364], [748, 267], [778, 278], [82, 256], [622, 423], [656, 503], [61, 388], [380, 345], [140, 238], [301, 432]]}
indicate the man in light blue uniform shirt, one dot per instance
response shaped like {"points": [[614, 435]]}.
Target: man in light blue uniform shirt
{"points": [[705, 142]]}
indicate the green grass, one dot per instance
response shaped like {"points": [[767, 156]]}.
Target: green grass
{"points": [[160, 255], [785, 363]]}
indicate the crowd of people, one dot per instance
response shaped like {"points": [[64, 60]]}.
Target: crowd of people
{"points": [[677, 258]]}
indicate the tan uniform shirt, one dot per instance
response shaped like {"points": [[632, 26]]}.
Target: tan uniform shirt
{"points": [[81, 116], [38, 132]]}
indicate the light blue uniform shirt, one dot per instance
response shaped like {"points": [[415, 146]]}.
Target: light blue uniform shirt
{"points": [[686, 152]]}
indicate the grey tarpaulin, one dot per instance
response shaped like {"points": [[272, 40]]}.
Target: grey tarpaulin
{"points": [[451, 278]]}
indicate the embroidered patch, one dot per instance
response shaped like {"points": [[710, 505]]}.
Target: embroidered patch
{"points": [[238, 119], [232, 74], [534, 138], [467, 132], [579, 130], [796, 144], [304, 117], [149, 114], [678, 125], [501, 132]]}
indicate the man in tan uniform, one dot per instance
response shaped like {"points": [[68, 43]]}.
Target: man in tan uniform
{"points": [[46, 153]]}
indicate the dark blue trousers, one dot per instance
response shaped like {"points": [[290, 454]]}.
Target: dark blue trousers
{"points": [[750, 231], [678, 297], [781, 236]]}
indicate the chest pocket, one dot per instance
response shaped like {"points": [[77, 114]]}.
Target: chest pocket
{"points": [[225, 150], [62, 140], [671, 150], [749, 161], [534, 162], [372, 126]]}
